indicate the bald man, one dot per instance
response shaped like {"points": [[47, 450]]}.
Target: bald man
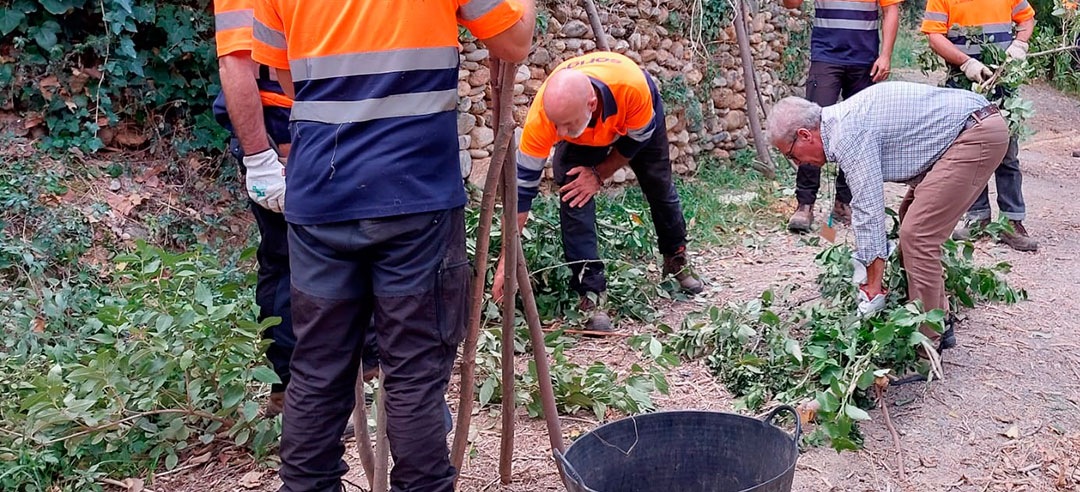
{"points": [[600, 112]]}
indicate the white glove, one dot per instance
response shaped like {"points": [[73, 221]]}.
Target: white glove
{"points": [[1017, 50], [976, 71], [868, 307], [266, 180]]}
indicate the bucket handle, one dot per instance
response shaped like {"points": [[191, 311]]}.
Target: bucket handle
{"points": [[569, 472], [794, 413]]}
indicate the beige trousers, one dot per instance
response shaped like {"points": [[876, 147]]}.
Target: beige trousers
{"points": [[931, 208]]}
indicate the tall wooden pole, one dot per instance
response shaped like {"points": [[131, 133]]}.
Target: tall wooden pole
{"points": [[765, 164], [597, 28]]}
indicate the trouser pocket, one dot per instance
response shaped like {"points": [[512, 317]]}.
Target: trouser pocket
{"points": [[451, 301]]}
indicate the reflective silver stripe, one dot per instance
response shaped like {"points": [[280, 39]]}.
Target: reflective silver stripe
{"points": [[338, 112], [997, 28], [371, 62], [642, 134], [846, 5], [529, 184], [1020, 7], [275, 39], [974, 49], [527, 161], [861, 25], [936, 16], [476, 9], [234, 19]]}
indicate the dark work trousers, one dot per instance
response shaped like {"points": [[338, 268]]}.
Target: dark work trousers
{"points": [[272, 290], [412, 272], [652, 166], [825, 84]]}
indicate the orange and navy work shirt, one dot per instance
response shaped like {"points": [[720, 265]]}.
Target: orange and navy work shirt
{"points": [[234, 21], [967, 23], [375, 119], [845, 32], [631, 111]]}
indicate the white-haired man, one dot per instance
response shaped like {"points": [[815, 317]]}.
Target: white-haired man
{"points": [[944, 143]]}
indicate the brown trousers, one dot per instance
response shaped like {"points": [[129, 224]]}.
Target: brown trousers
{"points": [[932, 207]]}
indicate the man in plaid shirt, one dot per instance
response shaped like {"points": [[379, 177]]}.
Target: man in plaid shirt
{"points": [[944, 143]]}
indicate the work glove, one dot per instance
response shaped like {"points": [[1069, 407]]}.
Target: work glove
{"points": [[867, 306], [976, 71], [266, 180], [1017, 50]]}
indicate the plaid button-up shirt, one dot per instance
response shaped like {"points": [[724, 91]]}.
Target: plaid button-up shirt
{"points": [[892, 131]]}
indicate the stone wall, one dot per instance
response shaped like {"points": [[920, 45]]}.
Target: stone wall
{"points": [[703, 88]]}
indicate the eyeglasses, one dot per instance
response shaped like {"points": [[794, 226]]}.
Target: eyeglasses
{"points": [[791, 149]]}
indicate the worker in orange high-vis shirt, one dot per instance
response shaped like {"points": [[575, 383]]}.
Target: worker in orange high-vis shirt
{"points": [[254, 108], [600, 112], [375, 207], [957, 31]]}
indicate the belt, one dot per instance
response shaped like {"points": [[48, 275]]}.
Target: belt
{"points": [[980, 114]]}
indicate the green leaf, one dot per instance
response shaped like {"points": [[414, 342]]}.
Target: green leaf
{"points": [[171, 460], [45, 35], [792, 347], [843, 444], [828, 402], [10, 19], [865, 379], [487, 390], [242, 437], [203, 295], [60, 7], [186, 359], [655, 348], [856, 413], [233, 395], [266, 375]]}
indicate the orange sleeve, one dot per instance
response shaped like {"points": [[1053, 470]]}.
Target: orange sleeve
{"points": [[269, 46], [936, 17], [232, 25], [1022, 11], [886, 3], [538, 135], [488, 18]]}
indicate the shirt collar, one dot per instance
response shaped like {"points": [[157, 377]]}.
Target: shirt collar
{"points": [[608, 106], [830, 121]]}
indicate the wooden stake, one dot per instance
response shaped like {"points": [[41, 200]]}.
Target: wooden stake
{"points": [[509, 306], [765, 165], [360, 430], [382, 443], [467, 367], [597, 28], [539, 349]]}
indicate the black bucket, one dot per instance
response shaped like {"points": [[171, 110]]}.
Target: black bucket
{"points": [[683, 451]]}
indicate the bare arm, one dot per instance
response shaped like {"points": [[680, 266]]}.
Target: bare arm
{"points": [[792, 4], [946, 49], [612, 163], [875, 272], [1025, 29], [285, 79], [238, 73], [890, 24], [514, 44]]}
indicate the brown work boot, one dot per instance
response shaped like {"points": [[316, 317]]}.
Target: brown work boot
{"points": [[802, 219], [969, 229], [841, 213], [678, 266], [275, 405], [1019, 240], [598, 318]]}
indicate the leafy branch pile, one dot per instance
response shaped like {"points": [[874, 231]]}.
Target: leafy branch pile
{"points": [[767, 350], [164, 362]]}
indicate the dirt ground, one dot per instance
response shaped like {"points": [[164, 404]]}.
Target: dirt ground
{"points": [[1006, 417]]}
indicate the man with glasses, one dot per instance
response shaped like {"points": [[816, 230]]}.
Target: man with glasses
{"points": [[943, 143], [845, 58]]}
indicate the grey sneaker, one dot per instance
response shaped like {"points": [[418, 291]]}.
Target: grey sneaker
{"points": [[598, 318], [802, 219], [1019, 240], [969, 229]]}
